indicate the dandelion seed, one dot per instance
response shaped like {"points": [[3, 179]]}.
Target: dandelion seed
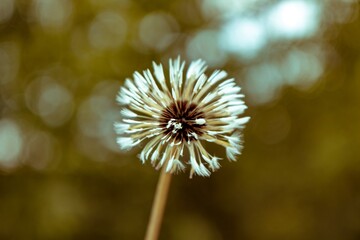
{"points": [[178, 114]]}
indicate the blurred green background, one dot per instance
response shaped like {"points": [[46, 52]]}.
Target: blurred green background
{"points": [[62, 63]]}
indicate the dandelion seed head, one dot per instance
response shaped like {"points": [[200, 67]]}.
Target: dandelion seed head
{"points": [[180, 120], [178, 113]]}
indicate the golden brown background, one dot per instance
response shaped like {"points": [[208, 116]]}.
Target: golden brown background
{"points": [[62, 63]]}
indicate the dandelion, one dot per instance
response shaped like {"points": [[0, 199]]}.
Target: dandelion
{"points": [[177, 114], [174, 116]]}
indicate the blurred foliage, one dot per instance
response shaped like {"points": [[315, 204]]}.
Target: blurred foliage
{"points": [[62, 63]]}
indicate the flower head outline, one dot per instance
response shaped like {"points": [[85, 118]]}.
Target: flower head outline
{"points": [[176, 114]]}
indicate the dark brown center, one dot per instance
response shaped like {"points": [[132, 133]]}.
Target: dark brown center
{"points": [[183, 120]]}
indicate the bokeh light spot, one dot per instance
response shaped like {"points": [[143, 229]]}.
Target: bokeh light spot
{"points": [[95, 119], [205, 45], [11, 143], [55, 104], [263, 83], [228, 8], [107, 31], [243, 36], [50, 100], [53, 14], [302, 68], [158, 30], [6, 10], [293, 19]]}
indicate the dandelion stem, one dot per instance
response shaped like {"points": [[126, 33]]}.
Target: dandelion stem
{"points": [[158, 206]]}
